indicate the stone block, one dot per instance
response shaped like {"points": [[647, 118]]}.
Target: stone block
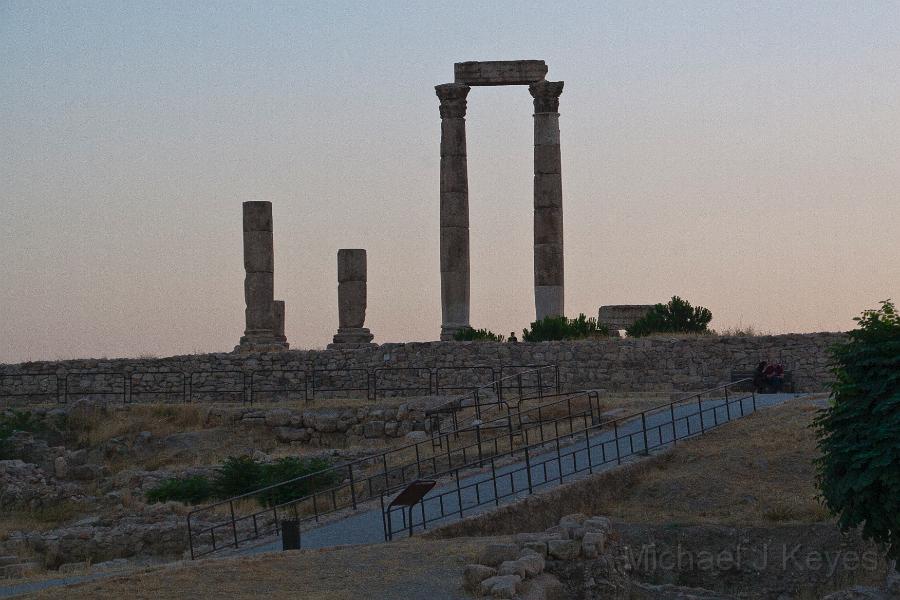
{"points": [[547, 190], [546, 129], [601, 524], [454, 174], [454, 249], [548, 225], [537, 547], [351, 265], [473, 575], [257, 215], [499, 72], [532, 562], [453, 137], [455, 209], [563, 549], [373, 429], [495, 554], [547, 159], [500, 586], [548, 264], [352, 304], [259, 251], [511, 567]]}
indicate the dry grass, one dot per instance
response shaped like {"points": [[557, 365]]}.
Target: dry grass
{"points": [[42, 519], [757, 470], [409, 568], [94, 425]]}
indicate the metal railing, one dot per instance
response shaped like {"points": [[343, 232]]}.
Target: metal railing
{"points": [[542, 467], [363, 479], [251, 386]]}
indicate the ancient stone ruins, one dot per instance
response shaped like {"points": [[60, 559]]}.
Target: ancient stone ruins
{"points": [[265, 317], [548, 225]]}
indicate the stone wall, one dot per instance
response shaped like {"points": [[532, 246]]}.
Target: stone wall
{"points": [[656, 364]]}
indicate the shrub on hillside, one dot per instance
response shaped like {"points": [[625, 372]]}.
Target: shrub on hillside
{"points": [[13, 421], [286, 469], [237, 475], [676, 316], [190, 490], [859, 433], [469, 334], [562, 328]]}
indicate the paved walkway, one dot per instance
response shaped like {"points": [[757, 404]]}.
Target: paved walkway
{"points": [[477, 493]]}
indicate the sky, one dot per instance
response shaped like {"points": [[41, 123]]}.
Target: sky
{"points": [[743, 156]]}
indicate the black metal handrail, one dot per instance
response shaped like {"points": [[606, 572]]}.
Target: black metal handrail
{"points": [[395, 473], [643, 435], [118, 375], [345, 473]]}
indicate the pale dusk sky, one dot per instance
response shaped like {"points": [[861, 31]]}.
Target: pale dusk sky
{"points": [[745, 156]]}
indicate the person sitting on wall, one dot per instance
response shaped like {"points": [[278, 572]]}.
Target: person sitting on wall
{"points": [[774, 378], [759, 378], [512, 338]]}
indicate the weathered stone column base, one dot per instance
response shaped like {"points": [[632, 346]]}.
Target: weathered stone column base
{"points": [[248, 345], [448, 330], [351, 337], [549, 300]]}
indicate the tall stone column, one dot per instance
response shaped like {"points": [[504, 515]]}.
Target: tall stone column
{"points": [[259, 281], [454, 210], [549, 289], [351, 300]]}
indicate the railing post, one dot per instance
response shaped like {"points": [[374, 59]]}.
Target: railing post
{"points": [[352, 486], [672, 413], [727, 406], [559, 459], [644, 431], [616, 440], [418, 465], [494, 479], [700, 409], [540, 385], [478, 439], [528, 469], [459, 494]]}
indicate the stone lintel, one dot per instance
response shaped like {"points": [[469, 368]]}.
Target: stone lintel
{"points": [[500, 72]]}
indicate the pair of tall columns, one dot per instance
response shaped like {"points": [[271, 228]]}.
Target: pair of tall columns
{"points": [[264, 315], [548, 230]]}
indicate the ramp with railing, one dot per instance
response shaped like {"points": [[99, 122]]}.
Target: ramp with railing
{"points": [[485, 425]]}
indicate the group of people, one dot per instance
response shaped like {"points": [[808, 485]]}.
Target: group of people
{"points": [[768, 378]]}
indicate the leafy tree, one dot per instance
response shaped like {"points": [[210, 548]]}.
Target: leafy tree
{"points": [[677, 316], [859, 433], [563, 328], [469, 334]]}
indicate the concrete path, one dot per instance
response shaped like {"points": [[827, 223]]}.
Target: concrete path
{"points": [[477, 493]]}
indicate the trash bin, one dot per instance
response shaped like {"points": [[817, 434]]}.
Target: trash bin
{"points": [[290, 534]]}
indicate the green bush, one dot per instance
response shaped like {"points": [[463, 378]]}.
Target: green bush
{"points": [[12, 422], [285, 469], [562, 328], [469, 334], [677, 316], [237, 475], [190, 490], [858, 435]]}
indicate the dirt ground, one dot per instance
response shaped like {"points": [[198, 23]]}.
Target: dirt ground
{"points": [[405, 569]]}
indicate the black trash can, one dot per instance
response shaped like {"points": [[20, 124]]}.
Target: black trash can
{"points": [[290, 534]]}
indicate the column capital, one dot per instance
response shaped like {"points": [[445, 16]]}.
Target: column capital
{"points": [[453, 99], [546, 95]]}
